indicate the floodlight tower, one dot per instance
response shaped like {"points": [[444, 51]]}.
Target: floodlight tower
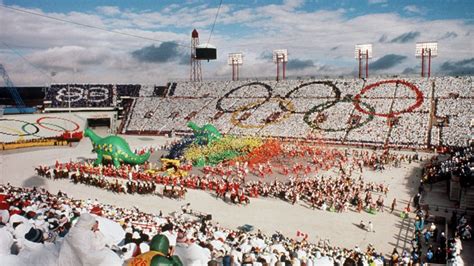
{"points": [[196, 73], [280, 56], [425, 51], [235, 60], [363, 51]]}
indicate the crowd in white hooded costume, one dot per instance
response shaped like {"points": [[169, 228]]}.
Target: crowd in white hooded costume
{"points": [[39, 228]]}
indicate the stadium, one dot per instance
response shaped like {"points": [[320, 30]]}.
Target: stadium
{"points": [[178, 155]]}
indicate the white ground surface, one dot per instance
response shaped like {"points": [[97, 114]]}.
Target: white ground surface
{"points": [[17, 167]]}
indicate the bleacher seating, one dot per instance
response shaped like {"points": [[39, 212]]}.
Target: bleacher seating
{"points": [[244, 108], [89, 95], [160, 91], [80, 95], [128, 90]]}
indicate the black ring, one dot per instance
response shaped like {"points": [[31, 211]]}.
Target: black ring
{"points": [[226, 96], [20, 135], [327, 105], [335, 90]]}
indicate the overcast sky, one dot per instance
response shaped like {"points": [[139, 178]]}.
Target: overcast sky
{"points": [[319, 34]]}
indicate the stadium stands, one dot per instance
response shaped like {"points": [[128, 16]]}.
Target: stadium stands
{"points": [[128, 90], [79, 95], [89, 95], [32, 96], [378, 112], [44, 224]]}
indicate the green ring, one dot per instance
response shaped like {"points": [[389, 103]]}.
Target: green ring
{"points": [[327, 105]]}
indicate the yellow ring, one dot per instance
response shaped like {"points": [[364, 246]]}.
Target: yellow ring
{"points": [[286, 102], [20, 138]]}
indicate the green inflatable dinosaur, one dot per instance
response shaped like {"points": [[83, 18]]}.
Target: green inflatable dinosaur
{"points": [[206, 134], [115, 149]]}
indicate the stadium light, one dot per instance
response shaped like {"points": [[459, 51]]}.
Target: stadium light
{"points": [[235, 60], [363, 51], [195, 73], [280, 56], [426, 50]]}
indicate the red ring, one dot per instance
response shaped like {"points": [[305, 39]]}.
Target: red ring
{"points": [[54, 117], [419, 98]]}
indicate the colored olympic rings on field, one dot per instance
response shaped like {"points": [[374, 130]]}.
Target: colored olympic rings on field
{"points": [[335, 90], [324, 106], [236, 122], [32, 129], [41, 124], [247, 106], [19, 132], [44, 123], [25, 124], [418, 101]]}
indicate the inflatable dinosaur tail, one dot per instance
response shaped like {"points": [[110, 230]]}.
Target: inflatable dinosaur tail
{"points": [[140, 159]]}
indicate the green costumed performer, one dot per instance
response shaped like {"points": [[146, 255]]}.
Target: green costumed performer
{"points": [[158, 254], [114, 148]]}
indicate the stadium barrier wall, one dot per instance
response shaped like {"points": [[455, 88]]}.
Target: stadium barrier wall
{"points": [[34, 143]]}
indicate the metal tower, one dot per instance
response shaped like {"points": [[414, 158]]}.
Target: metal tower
{"points": [[280, 56], [363, 52], [196, 73], [426, 51], [11, 88]]}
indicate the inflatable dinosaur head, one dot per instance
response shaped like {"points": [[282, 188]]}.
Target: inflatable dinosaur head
{"points": [[91, 135], [88, 132], [192, 125], [160, 243]]}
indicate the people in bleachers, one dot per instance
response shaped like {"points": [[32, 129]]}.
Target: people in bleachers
{"points": [[62, 227], [89, 95], [80, 95], [411, 131], [460, 163], [130, 90], [459, 114]]}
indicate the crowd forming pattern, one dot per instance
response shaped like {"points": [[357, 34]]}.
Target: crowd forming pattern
{"points": [[89, 95], [291, 108]]}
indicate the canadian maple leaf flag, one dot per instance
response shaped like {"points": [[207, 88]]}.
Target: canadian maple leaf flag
{"points": [[301, 235]]}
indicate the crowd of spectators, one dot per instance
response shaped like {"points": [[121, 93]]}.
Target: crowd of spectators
{"points": [[213, 89], [460, 163], [455, 97], [454, 86], [89, 95], [80, 95], [460, 226], [128, 90], [151, 114], [222, 103], [40, 228], [459, 115], [430, 244]]}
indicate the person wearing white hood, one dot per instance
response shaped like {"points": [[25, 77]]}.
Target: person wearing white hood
{"points": [[33, 251], [6, 241], [4, 217], [189, 252], [84, 245]]}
